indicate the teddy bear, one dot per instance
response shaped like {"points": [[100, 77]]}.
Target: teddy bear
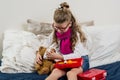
{"points": [[47, 64]]}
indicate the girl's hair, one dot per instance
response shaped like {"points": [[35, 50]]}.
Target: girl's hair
{"points": [[63, 14]]}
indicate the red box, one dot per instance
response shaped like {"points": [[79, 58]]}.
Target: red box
{"points": [[93, 74], [71, 63]]}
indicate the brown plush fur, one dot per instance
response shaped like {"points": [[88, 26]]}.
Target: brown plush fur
{"points": [[46, 66]]}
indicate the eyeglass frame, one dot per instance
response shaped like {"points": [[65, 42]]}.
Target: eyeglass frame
{"points": [[61, 28]]}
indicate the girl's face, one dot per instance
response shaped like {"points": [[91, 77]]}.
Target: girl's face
{"points": [[61, 27]]}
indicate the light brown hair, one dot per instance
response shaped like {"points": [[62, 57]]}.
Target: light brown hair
{"points": [[63, 14]]}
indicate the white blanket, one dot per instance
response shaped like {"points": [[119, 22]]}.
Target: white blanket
{"points": [[19, 48]]}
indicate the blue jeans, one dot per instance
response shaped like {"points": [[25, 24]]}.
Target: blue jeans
{"points": [[85, 65]]}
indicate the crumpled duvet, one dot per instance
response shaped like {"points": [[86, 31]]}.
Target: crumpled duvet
{"points": [[19, 48]]}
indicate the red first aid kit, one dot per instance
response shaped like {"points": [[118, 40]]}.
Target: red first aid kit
{"points": [[71, 63], [93, 74]]}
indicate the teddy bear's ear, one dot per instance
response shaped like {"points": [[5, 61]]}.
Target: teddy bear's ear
{"points": [[41, 47]]}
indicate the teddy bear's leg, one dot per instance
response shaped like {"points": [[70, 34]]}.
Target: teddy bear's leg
{"points": [[46, 68], [37, 66]]}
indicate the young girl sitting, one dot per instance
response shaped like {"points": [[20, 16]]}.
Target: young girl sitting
{"points": [[69, 39]]}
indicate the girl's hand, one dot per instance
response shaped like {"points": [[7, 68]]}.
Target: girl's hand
{"points": [[53, 55], [38, 58]]}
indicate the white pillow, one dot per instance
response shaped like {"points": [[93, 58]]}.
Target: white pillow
{"points": [[105, 45], [19, 48], [37, 27]]}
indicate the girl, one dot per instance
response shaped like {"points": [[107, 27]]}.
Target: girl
{"points": [[69, 39]]}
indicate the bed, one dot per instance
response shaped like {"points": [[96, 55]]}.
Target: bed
{"points": [[113, 73], [18, 54]]}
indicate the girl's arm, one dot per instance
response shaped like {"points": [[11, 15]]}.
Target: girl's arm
{"points": [[79, 51]]}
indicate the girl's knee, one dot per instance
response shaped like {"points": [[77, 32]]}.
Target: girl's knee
{"points": [[55, 70], [57, 73], [74, 72], [69, 73]]}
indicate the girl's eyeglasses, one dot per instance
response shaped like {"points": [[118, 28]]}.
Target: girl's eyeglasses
{"points": [[60, 28]]}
